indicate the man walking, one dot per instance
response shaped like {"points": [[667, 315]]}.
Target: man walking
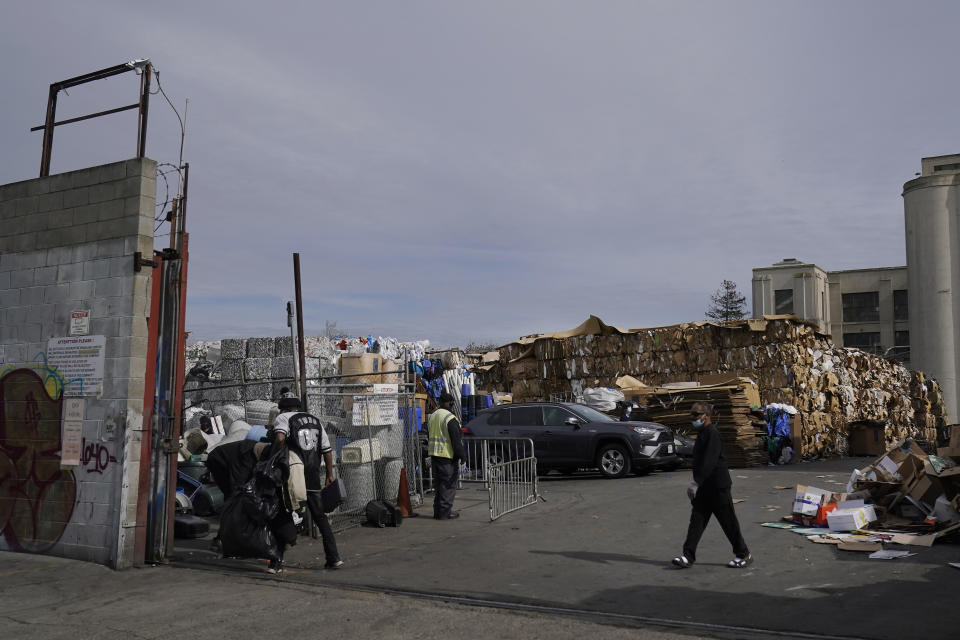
{"points": [[709, 492], [445, 447], [310, 441]]}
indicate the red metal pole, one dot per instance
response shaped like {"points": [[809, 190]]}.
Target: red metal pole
{"points": [[144, 497]]}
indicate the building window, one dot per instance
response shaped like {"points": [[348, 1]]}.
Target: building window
{"points": [[901, 338], [868, 341], [783, 302], [900, 311], [861, 307]]}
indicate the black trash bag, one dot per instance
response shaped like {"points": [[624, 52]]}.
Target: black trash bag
{"points": [[231, 465], [267, 484], [244, 533], [245, 521]]}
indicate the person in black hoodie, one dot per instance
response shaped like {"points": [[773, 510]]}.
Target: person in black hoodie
{"points": [[709, 493]]}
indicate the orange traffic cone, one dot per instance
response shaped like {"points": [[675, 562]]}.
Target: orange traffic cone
{"points": [[403, 495]]}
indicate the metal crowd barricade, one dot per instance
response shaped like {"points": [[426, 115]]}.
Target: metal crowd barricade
{"points": [[508, 469]]}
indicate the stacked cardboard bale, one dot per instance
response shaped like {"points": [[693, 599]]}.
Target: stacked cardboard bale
{"points": [[739, 423], [788, 359]]}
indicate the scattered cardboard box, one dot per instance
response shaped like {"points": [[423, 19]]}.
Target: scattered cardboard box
{"points": [[851, 515]]}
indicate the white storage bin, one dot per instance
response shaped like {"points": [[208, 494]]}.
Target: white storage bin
{"points": [[361, 451]]}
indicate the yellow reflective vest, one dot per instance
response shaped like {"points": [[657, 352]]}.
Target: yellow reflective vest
{"points": [[439, 443]]}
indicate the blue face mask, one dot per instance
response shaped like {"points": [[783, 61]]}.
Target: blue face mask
{"points": [[697, 423]]}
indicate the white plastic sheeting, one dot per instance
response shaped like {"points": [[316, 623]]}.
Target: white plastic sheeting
{"points": [[602, 398]]}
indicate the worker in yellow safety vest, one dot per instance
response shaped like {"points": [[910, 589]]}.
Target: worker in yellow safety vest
{"points": [[445, 447]]}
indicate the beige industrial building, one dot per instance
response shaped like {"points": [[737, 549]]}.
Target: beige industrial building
{"points": [[864, 308], [871, 308]]}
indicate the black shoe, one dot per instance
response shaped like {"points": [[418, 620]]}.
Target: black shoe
{"points": [[275, 567], [336, 564], [453, 515]]}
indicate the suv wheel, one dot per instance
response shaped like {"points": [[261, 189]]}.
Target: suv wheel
{"points": [[613, 461]]}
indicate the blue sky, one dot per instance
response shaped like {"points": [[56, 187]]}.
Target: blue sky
{"points": [[463, 171]]}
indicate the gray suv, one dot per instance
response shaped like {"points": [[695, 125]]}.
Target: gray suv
{"points": [[568, 436]]}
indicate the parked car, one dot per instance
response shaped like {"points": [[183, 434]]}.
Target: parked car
{"points": [[684, 448], [568, 436]]}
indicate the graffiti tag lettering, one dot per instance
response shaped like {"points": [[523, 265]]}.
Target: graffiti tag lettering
{"points": [[96, 454]]}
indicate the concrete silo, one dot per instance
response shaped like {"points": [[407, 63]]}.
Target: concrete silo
{"points": [[931, 205]]}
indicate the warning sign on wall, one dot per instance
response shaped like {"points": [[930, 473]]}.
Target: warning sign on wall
{"points": [[80, 323], [79, 362]]}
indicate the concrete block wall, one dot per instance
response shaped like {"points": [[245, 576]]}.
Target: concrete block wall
{"points": [[67, 243]]}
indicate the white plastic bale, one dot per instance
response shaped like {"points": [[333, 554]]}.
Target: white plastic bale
{"points": [[602, 398], [230, 413], [260, 411]]}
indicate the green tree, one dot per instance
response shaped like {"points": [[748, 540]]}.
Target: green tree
{"points": [[727, 303], [475, 346]]}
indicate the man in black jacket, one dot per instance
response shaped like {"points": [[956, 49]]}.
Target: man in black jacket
{"points": [[709, 492]]}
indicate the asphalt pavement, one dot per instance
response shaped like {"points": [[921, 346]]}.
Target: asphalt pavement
{"points": [[595, 552]]}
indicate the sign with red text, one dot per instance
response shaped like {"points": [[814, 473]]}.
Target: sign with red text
{"points": [[79, 323]]}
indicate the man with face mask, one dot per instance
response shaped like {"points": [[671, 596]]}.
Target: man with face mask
{"points": [[309, 440], [709, 492]]}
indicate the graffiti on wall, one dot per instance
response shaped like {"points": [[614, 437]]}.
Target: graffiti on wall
{"points": [[37, 497], [95, 457], [53, 380]]}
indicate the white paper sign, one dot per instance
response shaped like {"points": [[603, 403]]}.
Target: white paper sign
{"points": [[73, 408], [79, 361], [79, 323], [72, 443]]}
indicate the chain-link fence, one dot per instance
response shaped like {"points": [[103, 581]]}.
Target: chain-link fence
{"points": [[374, 429], [373, 426]]}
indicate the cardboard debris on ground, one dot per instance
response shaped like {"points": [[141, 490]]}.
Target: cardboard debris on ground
{"points": [[779, 525], [906, 496], [860, 545], [890, 554]]}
